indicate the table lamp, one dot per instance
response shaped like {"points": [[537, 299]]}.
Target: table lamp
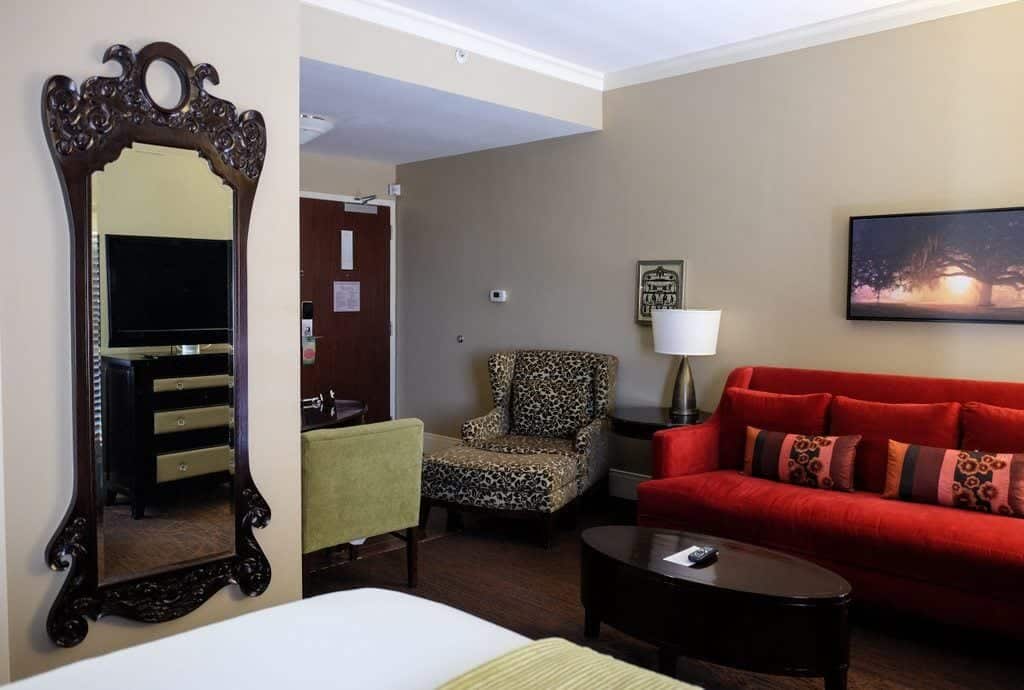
{"points": [[686, 332]]}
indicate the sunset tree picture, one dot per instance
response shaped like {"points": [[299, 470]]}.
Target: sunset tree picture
{"points": [[958, 266]]}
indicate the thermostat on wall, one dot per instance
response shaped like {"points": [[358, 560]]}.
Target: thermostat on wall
{"points": [[499, 295]]}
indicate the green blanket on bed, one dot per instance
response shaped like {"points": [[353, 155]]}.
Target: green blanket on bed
{"points": [[556, 664]]}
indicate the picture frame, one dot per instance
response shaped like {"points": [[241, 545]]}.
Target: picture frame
{"points": [[941, 266], [660, 284]]}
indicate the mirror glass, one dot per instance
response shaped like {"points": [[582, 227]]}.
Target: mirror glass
{"points": [[162, 366]]}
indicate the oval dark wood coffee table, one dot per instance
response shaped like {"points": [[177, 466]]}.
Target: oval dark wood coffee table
{"points": [[753, 609]]}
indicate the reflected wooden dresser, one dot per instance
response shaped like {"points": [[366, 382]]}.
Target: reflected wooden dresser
{"points": [[165, 418]]}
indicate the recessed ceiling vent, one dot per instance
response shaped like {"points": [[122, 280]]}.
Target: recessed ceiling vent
{"points": [[313, 126]]}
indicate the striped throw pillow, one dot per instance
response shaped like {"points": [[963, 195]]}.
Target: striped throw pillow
{"points": [[973, 480], [819, 462]]}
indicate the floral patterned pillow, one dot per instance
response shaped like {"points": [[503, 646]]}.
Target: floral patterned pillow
{"points": [[969, 479], [818, 462]]}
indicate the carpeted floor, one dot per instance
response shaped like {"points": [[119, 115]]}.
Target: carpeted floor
{"points": [[188, 522], [495, 569]]}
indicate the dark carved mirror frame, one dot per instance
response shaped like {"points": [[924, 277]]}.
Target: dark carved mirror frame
{"points": [[86, 129]]}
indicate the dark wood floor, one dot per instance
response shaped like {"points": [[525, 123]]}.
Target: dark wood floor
{"points": [[494, 569]]}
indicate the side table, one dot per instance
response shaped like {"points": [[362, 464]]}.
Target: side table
{"points": [[642, 422]]}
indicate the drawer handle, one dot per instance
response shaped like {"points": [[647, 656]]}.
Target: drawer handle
{"points": [[180, 385], [181, 421], [183, 467]]}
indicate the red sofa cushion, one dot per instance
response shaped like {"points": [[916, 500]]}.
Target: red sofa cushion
{"points": [[791, 414], [817, 462], [992, 429], [927, 425], [966, 479], [960, 548]]}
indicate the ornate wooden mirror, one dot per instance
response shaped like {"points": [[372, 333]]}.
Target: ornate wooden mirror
{"points": [[159, 191]]}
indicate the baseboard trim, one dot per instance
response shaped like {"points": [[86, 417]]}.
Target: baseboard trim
{"points": [[435, 442], [622, 484]]}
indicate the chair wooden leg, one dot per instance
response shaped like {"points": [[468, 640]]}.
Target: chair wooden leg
{"points": [[572, 512], [307, 567], [424, 513], [548, 522], [412, 555], [454, 522]]}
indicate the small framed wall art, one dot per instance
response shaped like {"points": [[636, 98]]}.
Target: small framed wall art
{"points": [[660, 284]]}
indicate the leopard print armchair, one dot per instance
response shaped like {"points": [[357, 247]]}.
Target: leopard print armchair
{"points": [[549, 401]]}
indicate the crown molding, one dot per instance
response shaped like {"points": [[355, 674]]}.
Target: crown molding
{"points": [[457, 36], [851, 26], [425, 26]]}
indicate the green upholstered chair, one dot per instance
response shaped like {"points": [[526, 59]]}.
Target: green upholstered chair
{"points": [[362, 481]]}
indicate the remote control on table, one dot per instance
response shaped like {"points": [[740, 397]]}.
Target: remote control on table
{"points": [[704, 554]]}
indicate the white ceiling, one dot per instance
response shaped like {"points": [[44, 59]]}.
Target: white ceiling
{"points": [[608, 44], [387, 120], [613, 35], [601, 44]]}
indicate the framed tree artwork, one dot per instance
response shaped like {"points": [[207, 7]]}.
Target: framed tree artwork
{"points": [[659, 285], [965, 266]]}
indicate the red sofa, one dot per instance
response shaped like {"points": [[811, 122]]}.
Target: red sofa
{"points": [[952, 565]]}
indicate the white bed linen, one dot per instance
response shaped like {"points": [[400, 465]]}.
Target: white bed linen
{"points": [[363, 638]]}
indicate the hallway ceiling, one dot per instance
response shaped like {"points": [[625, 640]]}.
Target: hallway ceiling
{"points": [[382, 119]]}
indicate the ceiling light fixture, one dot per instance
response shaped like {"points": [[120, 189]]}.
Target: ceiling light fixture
{"points": [[312, 126]]}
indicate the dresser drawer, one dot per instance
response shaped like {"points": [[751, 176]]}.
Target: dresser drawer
{"points": [[174, 421], [188, 440], [197, 397], [189, 383], [193, 463]]}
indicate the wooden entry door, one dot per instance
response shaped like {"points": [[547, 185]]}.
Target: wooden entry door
{"points": [[352, 347]]}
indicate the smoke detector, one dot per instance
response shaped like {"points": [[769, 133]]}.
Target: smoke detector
{"points": [[313, 126]]}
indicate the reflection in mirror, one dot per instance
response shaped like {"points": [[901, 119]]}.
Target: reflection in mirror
{"points": [[162, 286]]}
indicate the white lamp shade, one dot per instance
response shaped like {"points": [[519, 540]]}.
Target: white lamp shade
{"points": [[686, 331]]}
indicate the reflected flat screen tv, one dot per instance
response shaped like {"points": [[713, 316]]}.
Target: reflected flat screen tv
{"points": [[168, 291]]}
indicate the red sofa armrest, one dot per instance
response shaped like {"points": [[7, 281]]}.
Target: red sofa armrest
{"points": [[686, 449], [694, 449]]}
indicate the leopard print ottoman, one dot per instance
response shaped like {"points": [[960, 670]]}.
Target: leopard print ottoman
{"points": [[536, 482]]}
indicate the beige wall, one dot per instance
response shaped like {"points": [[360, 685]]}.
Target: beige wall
{"points": [[343, 40], [256, 53], [5, 646], [344, 175], [749, 172]]}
